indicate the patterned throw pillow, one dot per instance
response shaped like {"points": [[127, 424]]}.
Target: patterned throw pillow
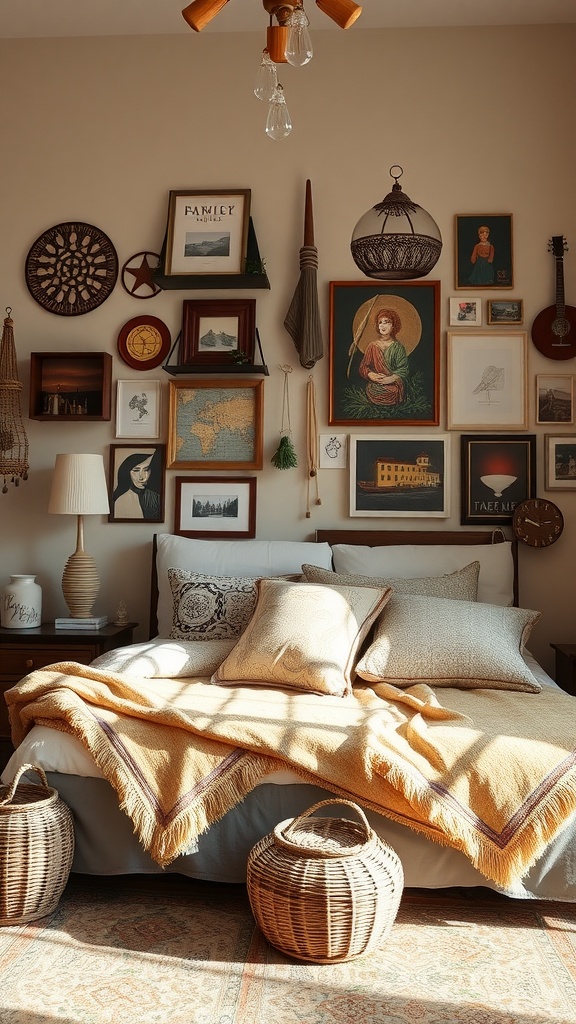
{"points": [[210, 607], [461, 585], [303, 636]]}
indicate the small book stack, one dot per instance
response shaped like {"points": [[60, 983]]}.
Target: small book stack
{"points": [[92, 622]]}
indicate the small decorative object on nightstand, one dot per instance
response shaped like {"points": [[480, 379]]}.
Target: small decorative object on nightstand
{"points": [[565, 671]]}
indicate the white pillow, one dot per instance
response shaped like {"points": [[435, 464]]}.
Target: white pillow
{"points": [[166, 659], [229, 558], [461, 585], [495, 581], [463, 644]]}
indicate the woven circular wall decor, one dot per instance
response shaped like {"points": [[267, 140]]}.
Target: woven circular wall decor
{"points": [[71, 268]]}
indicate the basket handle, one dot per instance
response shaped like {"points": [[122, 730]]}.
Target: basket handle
{"points": [[23, 768], [326, 803]]}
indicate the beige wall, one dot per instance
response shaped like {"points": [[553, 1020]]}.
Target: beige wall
{"points": [[101, 129]]}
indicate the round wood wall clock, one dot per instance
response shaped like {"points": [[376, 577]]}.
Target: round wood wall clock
{"points": [[537, 522], [144, 342], [71, 269]]}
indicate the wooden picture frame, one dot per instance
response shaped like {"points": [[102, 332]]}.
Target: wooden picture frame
{"points": [[210, 507], [554, 398], [487, 380], [560, 462], [465, 311], [505, 311], [70, 386], [138, 408], [217, 332], [136, 483], [483, 251], [498, 471], [198, 409], [207, 231], [406, 476], [357, 348]]}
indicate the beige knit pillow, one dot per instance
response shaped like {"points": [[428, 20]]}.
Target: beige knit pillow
{"points": [[461, 585], [303, 636]]}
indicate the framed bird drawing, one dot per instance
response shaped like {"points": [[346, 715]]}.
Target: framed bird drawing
{"points": [[487, 386]]}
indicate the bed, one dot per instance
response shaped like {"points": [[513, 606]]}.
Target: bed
{"points": [[402, 585]]}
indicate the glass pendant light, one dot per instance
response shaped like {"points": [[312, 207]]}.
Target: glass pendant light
{"points": [[299, 46], [266, 78], [278, 123]]}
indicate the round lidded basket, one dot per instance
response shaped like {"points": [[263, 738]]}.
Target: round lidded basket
{"points": [[36, 848], [324, 889]]}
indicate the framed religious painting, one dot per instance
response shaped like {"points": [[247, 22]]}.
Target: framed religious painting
{"points": [[207, 231], [215, 424], [498, 471], [384, 353], [483, 251], [487, 373], [400, 476], [210, 507]]}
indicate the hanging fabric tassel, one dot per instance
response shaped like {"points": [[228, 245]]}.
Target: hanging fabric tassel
{"points": [[285, 455], [311, 443]]}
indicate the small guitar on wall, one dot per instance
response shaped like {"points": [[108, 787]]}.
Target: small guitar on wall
{"points": [[554, 329]]}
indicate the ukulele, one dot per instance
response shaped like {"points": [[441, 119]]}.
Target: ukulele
{"points": [[554, 329]]}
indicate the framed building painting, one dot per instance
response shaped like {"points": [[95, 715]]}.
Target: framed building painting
{"points": [[483, 251], [215, 424], [384, 353], [487, 375], [400, 476], [497, 473]]}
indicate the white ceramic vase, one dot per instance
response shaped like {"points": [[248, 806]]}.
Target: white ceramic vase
{"points": [[21, 603]]}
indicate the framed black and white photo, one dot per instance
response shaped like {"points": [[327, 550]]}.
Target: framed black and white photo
{"points": [[554, 398], [217, 332], [138, 408], [207, 231], [400, 476], [560, 462], [137, 483], [212, 507]]}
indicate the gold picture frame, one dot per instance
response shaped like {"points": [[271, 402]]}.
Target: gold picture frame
{"points": [[215, 424]]}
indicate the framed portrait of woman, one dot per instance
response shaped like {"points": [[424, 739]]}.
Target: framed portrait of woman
{"points": [[384, 353], [137, 483], [483, 250]]}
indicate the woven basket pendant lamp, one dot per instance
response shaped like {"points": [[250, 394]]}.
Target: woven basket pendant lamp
{"points": [[13, 440]]}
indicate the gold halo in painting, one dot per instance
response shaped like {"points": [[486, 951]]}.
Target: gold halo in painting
{"points": [[365, 329]]}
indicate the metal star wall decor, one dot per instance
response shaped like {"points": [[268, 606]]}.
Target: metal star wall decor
{"points": [[136, 275]]}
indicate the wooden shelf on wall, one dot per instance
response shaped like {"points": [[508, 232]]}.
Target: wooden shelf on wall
{"points": [[191, 369], [184, 282]]}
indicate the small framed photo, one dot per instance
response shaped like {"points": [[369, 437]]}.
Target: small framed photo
{"points": [[207, 231], [465, 312], [505, 311], [138, 408], [560, 462], [487, 374], [217, 332], [497, 473], [483, 251], [333, 449], [554, 398], [400, 476], [137, 483], [210, 506], [215, 424]]}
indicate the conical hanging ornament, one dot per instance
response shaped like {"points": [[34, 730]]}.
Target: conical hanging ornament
{"points": [[285, 455], [13, 440]]}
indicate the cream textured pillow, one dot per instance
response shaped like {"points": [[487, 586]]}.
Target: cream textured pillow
{"points": [[303, 636], [210, 607], [461, 585], [166, 659], [464, 644]]}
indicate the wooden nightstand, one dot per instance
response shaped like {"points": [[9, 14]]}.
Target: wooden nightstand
{"points": [[565, 671], [23, 650]]}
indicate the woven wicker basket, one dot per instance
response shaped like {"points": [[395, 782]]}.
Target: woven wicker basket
{"points": [[324, 889], [36, 848]]}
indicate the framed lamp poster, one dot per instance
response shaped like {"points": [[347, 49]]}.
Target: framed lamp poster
{"points": [[498, 471]]}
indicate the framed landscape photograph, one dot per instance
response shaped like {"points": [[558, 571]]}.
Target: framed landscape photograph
{"points": [[487, 375], [483, 250], [465, 312], [211, 507], [137, 483], [560, 462], [497, 472], [384, 353], [400, 476], [207, 231], [554, 398], [505, 311], [215, 424], [138, 408], [217, 331]]}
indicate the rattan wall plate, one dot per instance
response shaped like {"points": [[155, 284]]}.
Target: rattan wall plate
{"points": [[71, 268]]}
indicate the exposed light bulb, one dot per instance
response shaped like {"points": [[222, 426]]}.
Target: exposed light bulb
{"points": [[266, 78], [278, 123], [299, 46]]}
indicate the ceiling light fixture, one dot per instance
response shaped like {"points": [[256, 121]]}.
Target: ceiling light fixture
{"points": [[287, 42]]}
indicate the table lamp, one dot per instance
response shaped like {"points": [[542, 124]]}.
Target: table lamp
{"points": [[79, 488]]}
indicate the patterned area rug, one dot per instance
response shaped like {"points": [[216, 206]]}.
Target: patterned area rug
{"points": [[174, 951]]}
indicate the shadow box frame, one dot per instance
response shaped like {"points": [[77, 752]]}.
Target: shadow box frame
{"points": [[190, 488], [354, 306], [474, 360], [507, 456], [72, 369], [552, 445], [226, 212], [466, 227], [364, 453], [156, 483], [217, 313], [184, 454]]}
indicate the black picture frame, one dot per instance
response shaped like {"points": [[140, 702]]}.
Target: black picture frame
{"points": [[473, 270], [126, 494], [498, 471]]}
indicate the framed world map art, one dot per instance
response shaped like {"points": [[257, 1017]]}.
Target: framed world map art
{"points": [[215, 424]]}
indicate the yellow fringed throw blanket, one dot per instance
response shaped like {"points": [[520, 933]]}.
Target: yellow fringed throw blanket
{"points": [[489, 772]]}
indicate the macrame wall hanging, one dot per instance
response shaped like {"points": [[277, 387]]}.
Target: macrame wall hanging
{"points": [[13, 440], [285, 455]]}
